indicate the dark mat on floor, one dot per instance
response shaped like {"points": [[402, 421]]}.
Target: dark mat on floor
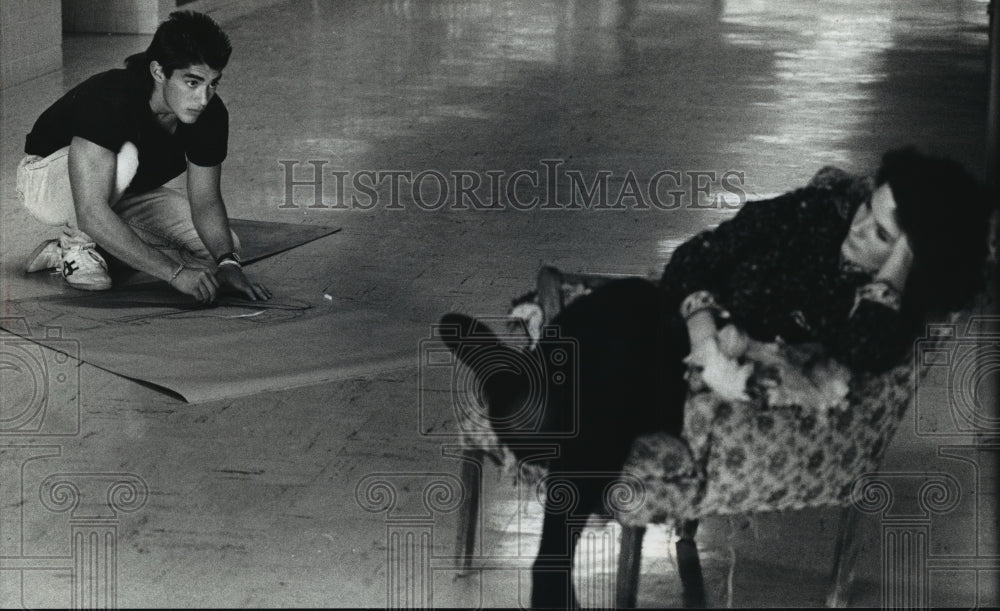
{"points": [[148, 332]]}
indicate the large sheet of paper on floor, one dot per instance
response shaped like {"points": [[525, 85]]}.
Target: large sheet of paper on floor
{"points": [[150, 333]]}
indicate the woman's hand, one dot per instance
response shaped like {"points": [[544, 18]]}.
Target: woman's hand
{"points": [[701, 333], [721, 372], [733, 341], [704, 337], [702, 351], [716, 353]]}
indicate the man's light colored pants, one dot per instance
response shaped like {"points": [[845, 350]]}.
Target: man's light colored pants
{"points": [[161, 217]]}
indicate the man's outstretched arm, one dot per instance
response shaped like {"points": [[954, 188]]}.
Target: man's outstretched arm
{"points": [[208, 212]]}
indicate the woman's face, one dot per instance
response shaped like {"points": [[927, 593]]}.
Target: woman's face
{"points": [[873, 231]]}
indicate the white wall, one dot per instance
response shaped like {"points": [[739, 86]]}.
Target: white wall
{"points": [[115, 16]]}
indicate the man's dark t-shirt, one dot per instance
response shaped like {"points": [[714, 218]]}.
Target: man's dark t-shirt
{"points": [[112, 108]]}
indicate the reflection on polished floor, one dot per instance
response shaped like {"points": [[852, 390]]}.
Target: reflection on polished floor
{"points": [[259, 501]]}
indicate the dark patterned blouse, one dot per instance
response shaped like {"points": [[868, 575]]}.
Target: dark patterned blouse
{"points": [[775, 270]]}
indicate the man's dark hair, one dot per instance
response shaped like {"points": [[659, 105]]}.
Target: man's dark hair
{"points": [[945, 213], [186, 38]]}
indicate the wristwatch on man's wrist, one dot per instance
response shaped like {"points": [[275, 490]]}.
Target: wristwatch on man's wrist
{"points": [[230, 258]]}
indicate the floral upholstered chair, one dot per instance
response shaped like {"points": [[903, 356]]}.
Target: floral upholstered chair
{"points": [[779, 450]]}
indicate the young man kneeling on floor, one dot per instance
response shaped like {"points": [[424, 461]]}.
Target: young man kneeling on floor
{"points": [[97, 160]]}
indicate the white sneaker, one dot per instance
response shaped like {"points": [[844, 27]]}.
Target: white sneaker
{"points": [[83, 268], [48, 255]]}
